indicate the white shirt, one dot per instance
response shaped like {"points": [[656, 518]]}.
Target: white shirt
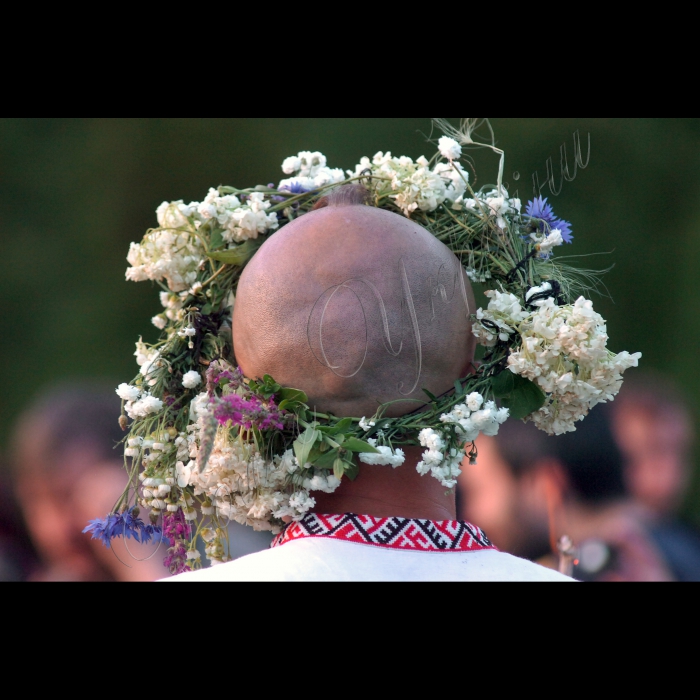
{"points": [[319, 548], [321, 559]]}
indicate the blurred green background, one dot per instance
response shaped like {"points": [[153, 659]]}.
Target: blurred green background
{"points": [[75, 192]]}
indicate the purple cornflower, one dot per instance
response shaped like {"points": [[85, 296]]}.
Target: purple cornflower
{"points": [[126, 524], [539, 208]]}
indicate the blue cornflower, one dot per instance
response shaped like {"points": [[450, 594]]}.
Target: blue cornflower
{"points": [[103, 528], [126, 524], [539, 208], [295, 187]]}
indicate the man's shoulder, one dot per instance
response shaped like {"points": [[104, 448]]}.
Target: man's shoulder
{"points": [[320, 559]]}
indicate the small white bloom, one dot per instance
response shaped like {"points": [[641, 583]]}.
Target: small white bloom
{"points": [[187, 332], [127, 392], [291, 165], [475, 401], [553, 240], [449, 148], [191, 379], [365, 424], [159, 321]]}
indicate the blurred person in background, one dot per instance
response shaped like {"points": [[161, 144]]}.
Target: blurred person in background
{"points": [[527, 489], [17, 555], [67, 471], [654, 428]]}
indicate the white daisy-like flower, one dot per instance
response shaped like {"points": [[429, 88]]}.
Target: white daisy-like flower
{"points": [[127, 392], [191, 379], [449, 148]]}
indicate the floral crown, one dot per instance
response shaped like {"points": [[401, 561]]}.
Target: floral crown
{"points": [[207, 445]]}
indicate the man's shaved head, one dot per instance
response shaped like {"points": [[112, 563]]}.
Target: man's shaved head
{"points": [[356, 306]]}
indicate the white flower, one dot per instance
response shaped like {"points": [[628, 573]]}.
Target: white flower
{"points": [[385, 455], [187, 332], [503, 316], [191, 379], [291, 165], [553, 240], [366, 425], [143, 407], [301, 502], [128, 392], [474, 401], [449, 148]]}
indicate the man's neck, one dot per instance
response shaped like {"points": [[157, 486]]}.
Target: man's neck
{"points": [[384, 492]]}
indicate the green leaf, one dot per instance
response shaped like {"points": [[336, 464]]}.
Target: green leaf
{"points": [[459, 391], [503, 384], [339, 467], [235, 256], [341, 426], [325, 461], [352, 470], [304, 444], [525, 398], [356, 445], [207, 309], [216, 239], [430, 396], [292, 395]]}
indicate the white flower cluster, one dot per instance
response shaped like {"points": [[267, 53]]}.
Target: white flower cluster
{"points": [[171, 252], [148, 359], [469, 419], [503, 316], [239, 220], [564, 351], [465, 421], [440, 460], [309, 171], [494, 203], [394, 458], [138, 404], [413, 184]]}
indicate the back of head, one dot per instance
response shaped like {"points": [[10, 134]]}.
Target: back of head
{"points": [[356, 306]]}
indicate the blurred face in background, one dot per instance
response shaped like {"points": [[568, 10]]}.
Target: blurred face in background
{"points": [[62, 482], [512, 511], [656, 447]]}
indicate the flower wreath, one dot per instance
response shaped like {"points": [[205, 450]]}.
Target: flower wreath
{"points": [[207, 445]]}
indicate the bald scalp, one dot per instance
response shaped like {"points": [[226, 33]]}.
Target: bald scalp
{"points": [[357, 307]]}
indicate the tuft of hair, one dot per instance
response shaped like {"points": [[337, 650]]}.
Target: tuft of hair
{"points": [[344, 196]]}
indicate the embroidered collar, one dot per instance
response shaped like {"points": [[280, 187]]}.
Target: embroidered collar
{"points": [[394, 533]]}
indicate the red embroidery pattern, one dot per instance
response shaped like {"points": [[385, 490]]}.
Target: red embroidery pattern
{"points": [[394, 533]]}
